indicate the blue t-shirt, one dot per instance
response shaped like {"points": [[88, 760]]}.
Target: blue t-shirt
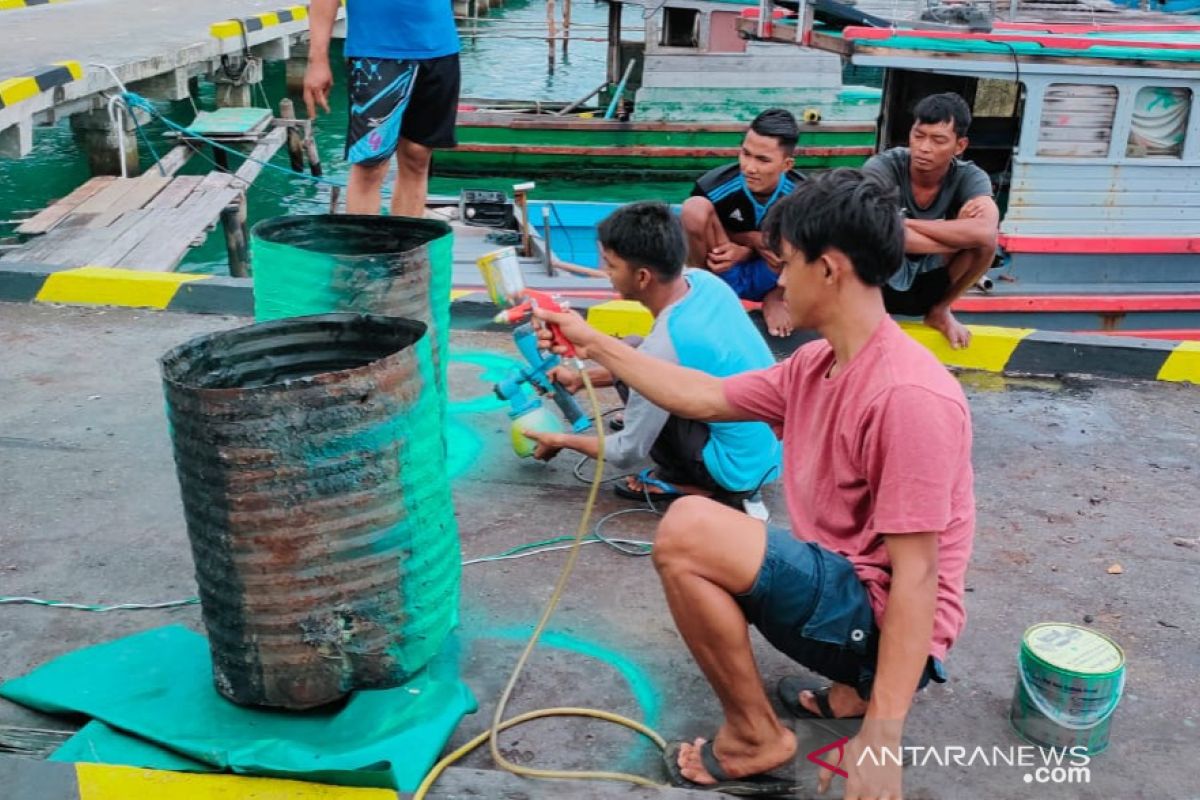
{"points": [[400, 29], [712, 332]]}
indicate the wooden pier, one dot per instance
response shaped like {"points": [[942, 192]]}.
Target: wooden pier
{"points": [[151, 221]]}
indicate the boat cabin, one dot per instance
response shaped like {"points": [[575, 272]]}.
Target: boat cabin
{"points": [[1091, 136], [692, 62]]}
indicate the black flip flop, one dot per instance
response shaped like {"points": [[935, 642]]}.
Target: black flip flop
{"points": [[750, 786], [789, 690]]}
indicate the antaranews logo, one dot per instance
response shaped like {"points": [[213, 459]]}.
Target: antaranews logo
{"points": [[1042, 765]]}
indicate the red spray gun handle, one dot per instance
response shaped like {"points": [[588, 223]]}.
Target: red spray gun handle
{"points": [[542, 300]]}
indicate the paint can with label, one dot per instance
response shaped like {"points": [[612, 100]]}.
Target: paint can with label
{"points": [[1069, 682]]}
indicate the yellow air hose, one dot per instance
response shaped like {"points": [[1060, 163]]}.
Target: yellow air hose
{"points": [[491, 736]]}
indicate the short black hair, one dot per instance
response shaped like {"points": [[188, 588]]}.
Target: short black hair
{"points": [[780, 125], [944, 107], [847, 210], [645, 235]]}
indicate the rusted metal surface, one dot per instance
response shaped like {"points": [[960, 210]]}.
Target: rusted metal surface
{"points": [[317, 504]]}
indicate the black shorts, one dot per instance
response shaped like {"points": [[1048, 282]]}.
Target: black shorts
{"points": [[392, 100], [927, 290]]}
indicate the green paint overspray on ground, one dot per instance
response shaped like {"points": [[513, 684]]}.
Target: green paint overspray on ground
{"points": [[463, 441], [494, 367], [644, 692]]}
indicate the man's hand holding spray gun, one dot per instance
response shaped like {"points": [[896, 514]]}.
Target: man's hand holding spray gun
{"points": [[543, 352]]}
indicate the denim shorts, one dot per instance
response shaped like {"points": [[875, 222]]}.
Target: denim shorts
{"points": [[810, 605], [750, 280]]}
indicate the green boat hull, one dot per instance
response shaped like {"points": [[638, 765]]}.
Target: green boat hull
{"points": [[541, 145]]}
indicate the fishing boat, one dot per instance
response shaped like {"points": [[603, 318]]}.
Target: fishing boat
{"points": [[674, 104], [1091, 135]]}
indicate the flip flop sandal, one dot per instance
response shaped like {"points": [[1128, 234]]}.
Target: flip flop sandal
{"points": [[665, 494], [762, 785], [789, 690]]}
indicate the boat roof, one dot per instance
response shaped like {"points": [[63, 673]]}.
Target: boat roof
{"points": [[1130, 46]]}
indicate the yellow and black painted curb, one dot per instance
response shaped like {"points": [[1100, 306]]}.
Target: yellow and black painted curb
{"points": [[7, 4], [1021, 351], [108, 286], [43, 79], [228, 28], [29, 779]]}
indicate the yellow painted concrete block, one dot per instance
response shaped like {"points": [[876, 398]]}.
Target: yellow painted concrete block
{"points": [[14, 90], [990, 347], [106, 286], [1183, 365], [458, 294], [104, 782], [72, 66], [621, 318], [225, 28], [268, 19]]}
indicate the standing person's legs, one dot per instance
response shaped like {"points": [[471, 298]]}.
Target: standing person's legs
{"points": [[706, 554], [379, 93], [430, 126]]}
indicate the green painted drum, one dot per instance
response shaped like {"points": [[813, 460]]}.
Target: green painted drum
{"points": [[367, 264], [1069, 682]]}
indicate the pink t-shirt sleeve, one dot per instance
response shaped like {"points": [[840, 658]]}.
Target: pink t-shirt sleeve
{"points": [[913, 446], [761, 394]]}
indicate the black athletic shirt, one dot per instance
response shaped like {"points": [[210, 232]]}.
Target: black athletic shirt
{"points": [[738, 209]]}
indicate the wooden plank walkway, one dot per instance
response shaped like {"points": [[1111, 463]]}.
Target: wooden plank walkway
{"points": [[145, 223]]}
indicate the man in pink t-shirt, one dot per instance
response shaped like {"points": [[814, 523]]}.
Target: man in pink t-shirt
{"points": [[867, 586]]}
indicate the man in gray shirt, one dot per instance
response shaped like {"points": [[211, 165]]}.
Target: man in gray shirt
{"points": [[699, 323], [952, 220]]}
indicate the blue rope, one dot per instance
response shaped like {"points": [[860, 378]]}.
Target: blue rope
{"points": [[134, 100]]}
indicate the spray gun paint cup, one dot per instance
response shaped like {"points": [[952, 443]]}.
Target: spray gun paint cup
{"points": [[538, 420], [501, 271]]}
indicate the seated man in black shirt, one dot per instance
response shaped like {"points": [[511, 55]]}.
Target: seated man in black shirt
{"points": [[726, 209], [950, 233]]}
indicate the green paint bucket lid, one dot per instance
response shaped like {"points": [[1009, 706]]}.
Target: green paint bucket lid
{"points": [[1072, 649]]}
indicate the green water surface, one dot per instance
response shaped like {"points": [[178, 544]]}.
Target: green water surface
{"points": [[504, 59]]}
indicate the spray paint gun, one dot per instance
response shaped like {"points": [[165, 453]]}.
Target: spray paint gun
{"points": [[506, 285]]}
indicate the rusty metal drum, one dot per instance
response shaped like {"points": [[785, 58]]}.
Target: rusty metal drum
{"points": [[317, 504]]}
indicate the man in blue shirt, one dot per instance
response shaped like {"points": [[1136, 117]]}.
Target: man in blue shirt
{"points": [[403, 81], [699, 323]]}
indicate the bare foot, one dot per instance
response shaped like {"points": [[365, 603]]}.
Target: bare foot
{"points": [[776, 314], [739, 758], [940, 319], [843, 701]]}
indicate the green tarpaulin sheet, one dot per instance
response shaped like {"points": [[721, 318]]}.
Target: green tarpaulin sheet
{"points": [[153, 693]]}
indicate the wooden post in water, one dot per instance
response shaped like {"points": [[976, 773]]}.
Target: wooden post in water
{"points": [[566, 26], [314, 156], [237, 238], [295, 142], [550, 34], [614, 42]]}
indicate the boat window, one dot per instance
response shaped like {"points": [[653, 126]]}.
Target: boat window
{"points": [[1160, 121], [681, 27], [1077, 120]]}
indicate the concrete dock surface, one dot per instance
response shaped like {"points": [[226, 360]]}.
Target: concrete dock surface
{"points": [[1072, 479]]}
